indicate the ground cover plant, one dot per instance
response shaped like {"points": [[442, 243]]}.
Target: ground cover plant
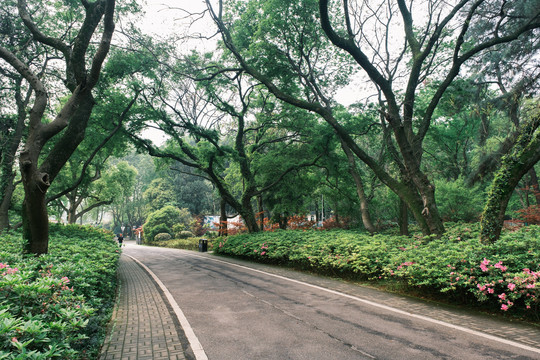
{"points": [[502, 277], [56, 306]]}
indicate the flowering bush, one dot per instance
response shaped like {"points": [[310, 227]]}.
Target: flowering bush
{"points": [[57, 305], [502, 276]]}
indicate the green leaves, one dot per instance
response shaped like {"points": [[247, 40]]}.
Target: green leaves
{"points": [[48, 303], [451, 265]]}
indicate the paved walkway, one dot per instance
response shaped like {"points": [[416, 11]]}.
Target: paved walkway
{"points": [[143, 326]]}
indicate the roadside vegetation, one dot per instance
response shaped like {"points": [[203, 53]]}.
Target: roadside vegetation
{"points": [[499, 277], [57, 306]]}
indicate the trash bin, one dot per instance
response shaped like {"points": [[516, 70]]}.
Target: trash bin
{"points": [[203, 245]]}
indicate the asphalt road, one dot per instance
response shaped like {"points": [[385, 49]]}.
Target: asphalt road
{"points": [[240, 313]]}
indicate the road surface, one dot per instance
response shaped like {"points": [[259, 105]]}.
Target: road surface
{"points": [[241, 313]]}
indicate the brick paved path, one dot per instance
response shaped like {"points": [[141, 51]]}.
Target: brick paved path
{"points": [[142, 326]]}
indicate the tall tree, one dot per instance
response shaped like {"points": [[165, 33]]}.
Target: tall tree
{"points": [[83, 63], [430, 50]]}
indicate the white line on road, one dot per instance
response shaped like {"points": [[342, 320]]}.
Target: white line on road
{"points": [[196, 346], [386, 307]]}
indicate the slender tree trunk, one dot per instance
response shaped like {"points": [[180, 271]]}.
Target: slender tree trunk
{"points": [[282, 221], [8, 155], [534, 185], [223, 225], [5, 203], [261, 211], [366, 218]]}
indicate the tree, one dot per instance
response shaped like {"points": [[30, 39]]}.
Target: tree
{"points": [[213, 124], [74, 48], [514, 165], [425, 53], [16, 96]]}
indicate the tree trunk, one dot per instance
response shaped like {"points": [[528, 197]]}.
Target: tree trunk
{"points": [[248, 215], [35, 216], [403, 218], [8, 155], [5, 204], [534, 185], [366, 218], [524, 155], [223, 225], [261, 211], [282, 221]]}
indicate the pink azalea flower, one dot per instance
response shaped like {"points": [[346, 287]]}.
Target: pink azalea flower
{"points": [[511, 286], [502, 296], [490, 290], [483, 267], [504, 307], [500, 266]]}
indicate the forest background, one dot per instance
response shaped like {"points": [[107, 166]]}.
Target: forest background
{"points": [[410, 128]]}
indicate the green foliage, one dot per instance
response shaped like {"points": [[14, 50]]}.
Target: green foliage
{"points": [[162, 237], [450, 266], [57, 305], [184, 234], [191, 243], [163, 221], [457, 202]]}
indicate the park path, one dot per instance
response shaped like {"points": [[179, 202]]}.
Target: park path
{"points": [[241, 310], [142, 326]]}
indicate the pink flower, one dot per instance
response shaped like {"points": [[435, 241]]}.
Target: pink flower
{"points": [[485, 262], [500, 266], [65, 280], [483, 267], [504, 307], [502, 296], [511, 286], [490, 290], [264, 252], [481, 287], [14, 339]]}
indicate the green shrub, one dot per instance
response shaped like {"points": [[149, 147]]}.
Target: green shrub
{"points": [[185, 234], [57, 305], [162, 237], [502, 276], [161, 221], [458, 202], [186, 244]]}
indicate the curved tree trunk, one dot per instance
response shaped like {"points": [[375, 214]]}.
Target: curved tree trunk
{"points": [[364, 211], [8, 154], [524, 155]]}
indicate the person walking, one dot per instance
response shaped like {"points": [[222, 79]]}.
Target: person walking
{"points": [[120, 239]]}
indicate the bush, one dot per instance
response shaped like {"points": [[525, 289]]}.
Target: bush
{"points": [[458, 202], [162, 237], [57, 305], [185, 234], [161, 221], [186, 244], [502, 276]]}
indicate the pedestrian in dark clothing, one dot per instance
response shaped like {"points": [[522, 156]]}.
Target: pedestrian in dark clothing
{"points": [[120, 239]]}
